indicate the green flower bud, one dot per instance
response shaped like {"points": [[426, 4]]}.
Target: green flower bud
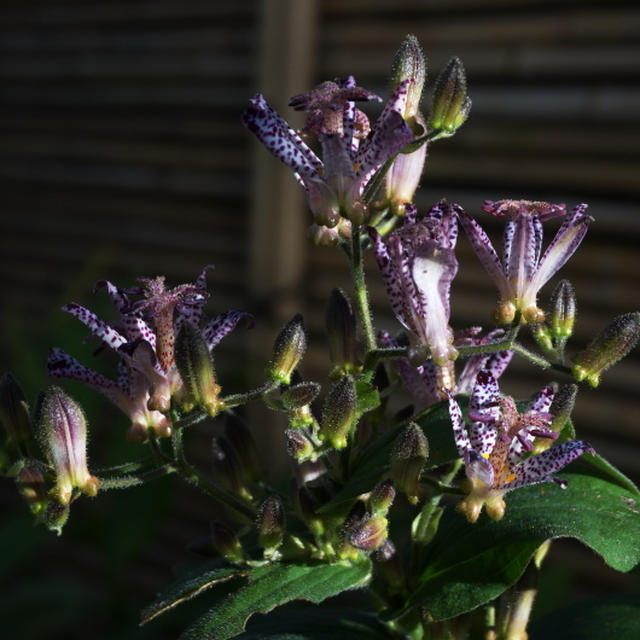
{"points": [[408, 457], [226, 543], [410, 63], [563, 314], [451, 106], [610, 346], [14, 412], [561, 408], [62, 429], [382, 497], [195, 365], [369, 534], [425, 525], [543, 337], [341, 333], [389, 563], [228, 468], [288, 350], [323, 236], [299, 447], [339, 413], [33, 488], [300, 395], [56, 516], [270, 523], [241, 439]]}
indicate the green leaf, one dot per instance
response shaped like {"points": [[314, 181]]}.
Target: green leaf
{"points": [[311, 622], [373, 462], [470, 564], [368, 397], [271, 586], [187, 587], [610, 472], [617, 618]]}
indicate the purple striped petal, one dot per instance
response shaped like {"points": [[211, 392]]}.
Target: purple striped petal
{"points": [[280, 139], [519, 256], [541, 468], [222, 325], [97, 327]]}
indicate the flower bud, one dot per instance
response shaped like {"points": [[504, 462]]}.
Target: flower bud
{"points": [[382, 497], [56, 516], [339, 413], [195, 365], [613, 344], [300, 395], [341, 332], [390, 564], [563, 311], [543, 337], [410, 63], [561, 407], [226, 543], [228, 468], [62, 429], [451, 105], [14, 411], [299, 447], [323, 236], [241, 439], [288, 350], [425, 524], [33, 488], [305, 507], [369, 534], [408, 457], [270, 523]]}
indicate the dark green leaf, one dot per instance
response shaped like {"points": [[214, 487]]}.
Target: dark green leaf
{"points": [[187, 587], [615, 618], [470, 564], [271, 586], [610, 472], [310, 622]]}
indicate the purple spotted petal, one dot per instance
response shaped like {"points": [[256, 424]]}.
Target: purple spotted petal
{"points": [[280, 139], [541, 468], [463, 445], [487, 255], [97, 327], [542, 400], [118, 296], [498, 362], [485, 392], [348, 119], [222, 325], [562, 247]]}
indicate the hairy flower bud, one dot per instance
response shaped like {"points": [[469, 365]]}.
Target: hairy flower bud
{"points": [[55, 516], [226, 543], [339, 413], [390, 565], [408, 457], [299, 447], [288, 350], [426, 523], [341, 332], [62, 429], [451, 106], [228, 468], [610, 346], [195, 364], [270, 523], [14, 411], [369, 534], [563, 311], [300, 395], [561, 408], [33, 487], [382, 497], [242, 441], [305, 507], [410, 63]]}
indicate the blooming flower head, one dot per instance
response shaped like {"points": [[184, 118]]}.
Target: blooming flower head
{"points": [[418, 264], [144, 339], [495, 444], [522, 272], [352, 149]]}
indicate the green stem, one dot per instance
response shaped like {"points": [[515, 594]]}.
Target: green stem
{"points": [[362, 296], [376, 355], [242, 398]]}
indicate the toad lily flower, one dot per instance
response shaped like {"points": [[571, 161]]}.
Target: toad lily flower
{"points": [[522, 272], [144, 340], [494, 445], [418, 264], [351, 153]]}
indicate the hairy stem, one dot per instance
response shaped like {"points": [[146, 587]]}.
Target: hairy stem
{"points": [[362, 296]]}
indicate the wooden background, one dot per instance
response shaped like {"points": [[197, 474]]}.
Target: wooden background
{"points": [[122, 154]]}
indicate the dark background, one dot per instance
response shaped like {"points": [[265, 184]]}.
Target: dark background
{"points": [[122, 154]]}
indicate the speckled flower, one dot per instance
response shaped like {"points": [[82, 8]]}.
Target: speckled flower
{"points": [[352, 151], [522, 272], [144, 340], [496, 442], [418, 264]]}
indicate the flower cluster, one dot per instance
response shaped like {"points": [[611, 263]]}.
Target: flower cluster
{"points": [[144, 339]]}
